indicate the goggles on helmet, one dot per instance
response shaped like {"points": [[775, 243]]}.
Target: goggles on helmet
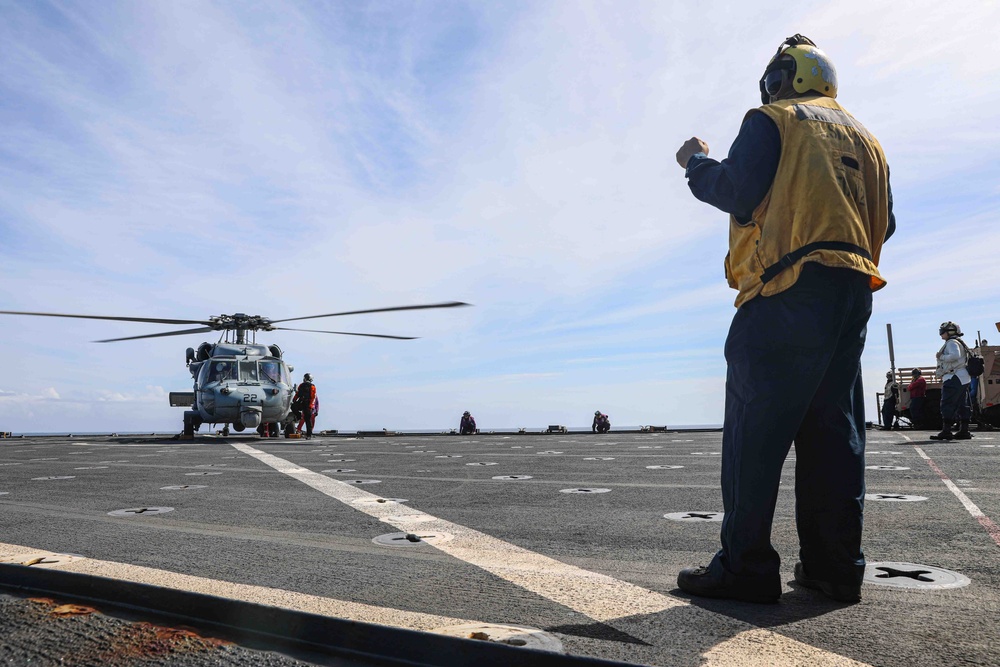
{"points": [[773, 77]]}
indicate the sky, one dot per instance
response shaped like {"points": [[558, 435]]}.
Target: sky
{"points": [[185, 159]]}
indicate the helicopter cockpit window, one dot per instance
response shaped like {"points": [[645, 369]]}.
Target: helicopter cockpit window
{"points": [[248, 371], [270, 371], [220, 371]]}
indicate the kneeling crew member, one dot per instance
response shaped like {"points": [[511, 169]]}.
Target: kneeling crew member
{"points": [[602, 423], [468, 424]]}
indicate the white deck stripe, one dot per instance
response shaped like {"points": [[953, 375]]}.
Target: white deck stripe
{"points": [[597, 596], [314, 604]]}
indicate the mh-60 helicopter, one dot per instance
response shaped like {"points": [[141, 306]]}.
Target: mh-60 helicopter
{"points": [[238, 381]]}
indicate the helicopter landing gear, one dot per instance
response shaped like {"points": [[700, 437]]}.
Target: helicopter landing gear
{"points": [[191, 423]]}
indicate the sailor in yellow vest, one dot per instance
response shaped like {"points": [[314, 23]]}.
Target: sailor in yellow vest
{"points": [[807, 190]]}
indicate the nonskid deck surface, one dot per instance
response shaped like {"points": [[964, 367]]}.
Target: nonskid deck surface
{"points": [[580, 536]]}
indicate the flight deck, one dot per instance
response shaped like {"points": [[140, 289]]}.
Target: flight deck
{"points": [[564, 542]]}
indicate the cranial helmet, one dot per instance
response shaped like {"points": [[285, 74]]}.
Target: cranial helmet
{"points": [[950, 328], [915, 372], [809, 68], [465, 414], [888, 375], [307, 377], [597, 413]]}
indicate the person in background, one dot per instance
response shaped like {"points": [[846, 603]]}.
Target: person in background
{"points": [[952, 359], [468, 424], [807, 189], [889, 401], [602, 423], [306, 404], [917, 390]]}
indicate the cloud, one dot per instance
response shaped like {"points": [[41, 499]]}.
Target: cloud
{"points": [[185, 160]]}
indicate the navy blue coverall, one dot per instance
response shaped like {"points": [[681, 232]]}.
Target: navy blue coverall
{"points": [[794, 374]]}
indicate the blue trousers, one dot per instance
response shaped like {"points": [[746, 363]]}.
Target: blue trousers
{"points": [[955, 404], [794, 375], [916, 410]]}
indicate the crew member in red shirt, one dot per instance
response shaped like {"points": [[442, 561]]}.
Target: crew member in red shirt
{"points": [[918, 390], [306, 404]]}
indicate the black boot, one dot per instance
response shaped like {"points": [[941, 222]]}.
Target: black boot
{"points": [[945, 434], [963, 432]]}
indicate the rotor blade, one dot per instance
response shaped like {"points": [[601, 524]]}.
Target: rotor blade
{"points": [[447, 304], [152, 320], [347, 333], [159, 335]]}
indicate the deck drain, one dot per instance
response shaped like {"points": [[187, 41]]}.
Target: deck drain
{"points": [[141, 511], [894, 497], [549, 452], [379, 501], [414, 539], [183, 487], [886, 468], [362, 481], [512, 635], [585, 490], [448, 456], [42, 479], [340, 470], [663, 467], [912, 575], [92, 468], [484, 463], [424, 451], [201, 474], [599, 458], [341, 460], [113, 461], [512, 477], [212, 465], [694, 516], [885, 452]]}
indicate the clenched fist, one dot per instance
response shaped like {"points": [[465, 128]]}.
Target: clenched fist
{"points": [[690, 147]]}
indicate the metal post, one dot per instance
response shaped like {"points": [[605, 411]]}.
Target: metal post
{"points": [[892, 353]]}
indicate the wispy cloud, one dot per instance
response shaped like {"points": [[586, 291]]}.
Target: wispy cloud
{"points": [[186, 159]]}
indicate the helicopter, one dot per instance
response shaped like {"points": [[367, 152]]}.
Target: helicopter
{"points": [[237, 381]]}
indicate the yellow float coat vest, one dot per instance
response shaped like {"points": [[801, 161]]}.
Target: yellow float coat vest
{"points": [[829, 202]]}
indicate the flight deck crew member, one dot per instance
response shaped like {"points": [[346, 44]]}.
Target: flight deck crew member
{"points": [[807, 189], [889, 401], [468, 424], [952, 359], [306, 402], [602, 423], [918, 391]]}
